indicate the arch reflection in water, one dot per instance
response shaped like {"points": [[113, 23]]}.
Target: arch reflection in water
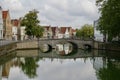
{"points": [[64, 49], [45, 48]]}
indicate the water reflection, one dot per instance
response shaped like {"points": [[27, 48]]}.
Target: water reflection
{"points": [[64, 49], [44, 48], [84, 65], [29, 66]]}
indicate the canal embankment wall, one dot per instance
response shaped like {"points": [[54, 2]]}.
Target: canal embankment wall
{"points": [[7, 48], [106, 46], [27, 45]]}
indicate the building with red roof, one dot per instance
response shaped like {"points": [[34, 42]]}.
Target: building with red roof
{"points": [[1, 24], [7, 34], [15, 28]]}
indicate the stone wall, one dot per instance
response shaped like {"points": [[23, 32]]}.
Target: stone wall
{"points": [[27, 45], [106, 46], [7, 48]]}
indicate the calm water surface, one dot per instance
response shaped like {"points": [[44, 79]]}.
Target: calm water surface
{"points": [[81, 65]]}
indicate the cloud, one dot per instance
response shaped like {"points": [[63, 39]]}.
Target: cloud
{"points": [[55, 12], [14, 5]]}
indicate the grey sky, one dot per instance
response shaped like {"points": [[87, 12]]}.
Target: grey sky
{"points": [[73, 13]]}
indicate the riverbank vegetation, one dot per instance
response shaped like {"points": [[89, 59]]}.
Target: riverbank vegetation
{"points": [[109, 20], [87, 31]]}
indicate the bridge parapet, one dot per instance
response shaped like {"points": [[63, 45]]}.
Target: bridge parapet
{"points": [[78, 42], [52, 42]]}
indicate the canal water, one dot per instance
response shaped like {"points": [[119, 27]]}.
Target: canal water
{"points": [[58, 64]]}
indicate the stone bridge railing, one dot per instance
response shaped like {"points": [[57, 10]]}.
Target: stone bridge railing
{"points": [[52, 42]]}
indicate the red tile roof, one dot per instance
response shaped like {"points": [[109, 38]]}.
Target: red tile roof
{"points": [[4, 14], [15, 22], [63, 29]]}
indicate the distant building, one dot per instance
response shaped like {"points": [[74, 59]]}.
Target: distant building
{"points": [[58, 32], [7, 34], [47, 32], [1, 24], [65, 32], [15, 26], [55, 32], [73, 33], [23, 36], [97, 35]]}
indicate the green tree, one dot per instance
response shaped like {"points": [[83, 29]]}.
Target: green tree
{"points": [[30, 66], [31, 22], [109, 20], [87, 31], [38, 31]]}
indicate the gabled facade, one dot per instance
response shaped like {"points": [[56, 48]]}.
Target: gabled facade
{"points": [[1, 24], [55, 32], [23, 36], [7, 34], [73, 33], [65, 32], [15, 26], [58, 33], [47, 32]]}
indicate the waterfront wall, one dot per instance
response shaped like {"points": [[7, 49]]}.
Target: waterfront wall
{"points": [[106, 46], [27, 45], [7, 48]]}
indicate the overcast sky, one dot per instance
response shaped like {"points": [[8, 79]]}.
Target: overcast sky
{"points": [[73, 13]]}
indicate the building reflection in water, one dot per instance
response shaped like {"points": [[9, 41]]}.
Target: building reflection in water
{"points": [[64, 49], [106, 68], [44, 48]]}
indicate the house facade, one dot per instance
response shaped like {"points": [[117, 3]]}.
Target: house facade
{"points": [[23, 36], [55, 32], [58, 32], [7, 33], [15, 26], [47, 32], [65, 32], [97, 35], [1, 24]]}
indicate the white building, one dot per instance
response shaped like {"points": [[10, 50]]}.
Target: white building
{"points": [[65, 32], [1, 24], [15, 27], [22, 33], [97, 35], [14, 33]]}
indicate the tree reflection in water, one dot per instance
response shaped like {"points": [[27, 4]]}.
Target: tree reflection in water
{"points": [[29, 66], [111, 72]]}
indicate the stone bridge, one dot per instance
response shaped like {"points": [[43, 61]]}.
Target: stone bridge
{"points": [[77, 43]]}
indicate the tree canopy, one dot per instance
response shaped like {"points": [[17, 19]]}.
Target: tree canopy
{"points": [[110, 17], [31, 22], [86, 31]]}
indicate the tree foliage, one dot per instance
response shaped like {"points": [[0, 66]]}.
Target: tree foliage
{"points": [[85, 32], [31, 22], [110, 17], [30, 67]]}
